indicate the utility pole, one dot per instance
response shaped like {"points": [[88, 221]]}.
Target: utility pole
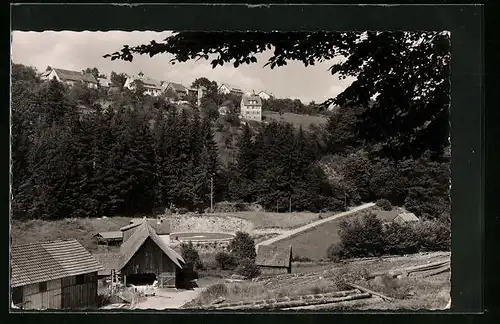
{"points": [[277, 208], [212, 194], [290, 205]]}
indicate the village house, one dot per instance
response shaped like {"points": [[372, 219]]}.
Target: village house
{"points": [[180, 90], [70, 77], [54, 275], [227, 89], [251, 107], [151, 87], [264, 95], [104, 82]]}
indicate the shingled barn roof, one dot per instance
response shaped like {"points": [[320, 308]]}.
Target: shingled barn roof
{"points": [[138, 238], [39, 262], [163, 228], [273, 256]]}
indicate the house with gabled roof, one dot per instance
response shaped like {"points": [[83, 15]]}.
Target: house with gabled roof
{"points": [[151, 86], [180, 90], [54, 275], [71, 77], [264, 95], [227, 89], [251, 107]]}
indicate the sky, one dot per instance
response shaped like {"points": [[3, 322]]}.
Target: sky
{"points": [[79, 50]]}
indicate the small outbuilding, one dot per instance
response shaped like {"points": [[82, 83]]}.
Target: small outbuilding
{"points": [[272, 256], [109, 238], [54, 275], [387, 216], [406, 218]]}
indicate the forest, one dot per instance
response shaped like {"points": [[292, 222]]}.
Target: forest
{"points": [[73, 157]]}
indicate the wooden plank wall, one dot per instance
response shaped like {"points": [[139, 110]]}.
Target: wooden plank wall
{"points": [[149, 259], [50, 299], [79, 296]]}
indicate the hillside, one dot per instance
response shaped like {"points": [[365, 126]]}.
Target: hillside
{"points": [[83, 229], [296, 120]]}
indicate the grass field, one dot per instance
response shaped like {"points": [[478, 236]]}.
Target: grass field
{"points": [[314, 242], [81, 229], [295, 119]]}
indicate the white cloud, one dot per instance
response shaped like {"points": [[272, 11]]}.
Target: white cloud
{"points": [[79, 50]]}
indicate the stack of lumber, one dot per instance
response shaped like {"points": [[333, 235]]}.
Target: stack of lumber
{"points": [[295, 301], [424, 270]]}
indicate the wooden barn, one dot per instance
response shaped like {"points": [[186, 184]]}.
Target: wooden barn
{"points": [[53, 275], [145, 257], [274, 257]]}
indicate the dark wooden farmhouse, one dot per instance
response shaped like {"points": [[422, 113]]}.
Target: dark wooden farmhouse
{"points": [[271, 256], [53, 275], [145, 257]]}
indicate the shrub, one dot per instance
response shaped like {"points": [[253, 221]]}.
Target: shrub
{"points": [[217, 290], [247, 268], [242, 247], [433, 235], [361, 238], [368, 238], [400, 239], [225, 261], [191, 256], [384, 204], [334, 253]]}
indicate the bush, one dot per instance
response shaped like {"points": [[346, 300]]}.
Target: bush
{"points": [[225, 261], [217, 290], [361, 238], [368, 238], [334, 253], [248, 269], [384, 204], [242, 247], [191, 256]]}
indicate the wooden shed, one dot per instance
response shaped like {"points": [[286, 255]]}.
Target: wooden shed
{"points": [[146, 255], [272, 256], [109, 238], [53, 275]]}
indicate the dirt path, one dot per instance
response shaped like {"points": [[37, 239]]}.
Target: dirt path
{"points": [[169, 299], [295, 231]]}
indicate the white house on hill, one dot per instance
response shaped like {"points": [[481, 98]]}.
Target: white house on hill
{"points": [[227, 89], [151, 86], [70, 77], [251, 107], [264, 95]]}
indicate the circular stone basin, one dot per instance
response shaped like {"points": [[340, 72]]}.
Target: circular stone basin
{"points": [[200, 236]]}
